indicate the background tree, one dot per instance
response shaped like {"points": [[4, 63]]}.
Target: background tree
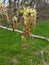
{"points": [[42, 7]]}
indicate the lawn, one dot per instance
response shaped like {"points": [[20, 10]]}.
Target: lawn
{"points": [[13, 53]]}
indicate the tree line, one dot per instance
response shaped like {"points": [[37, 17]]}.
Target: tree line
{"points": [[42, 6]]}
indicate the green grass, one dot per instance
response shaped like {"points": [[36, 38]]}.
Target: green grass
{"points": [[13, 53], [42, 28]]}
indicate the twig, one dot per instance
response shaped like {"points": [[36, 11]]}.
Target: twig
{"points": [[35, 36]]}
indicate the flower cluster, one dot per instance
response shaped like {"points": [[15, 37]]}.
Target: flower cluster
{"points": [[4, 13], [29, 15], [2, 5]]}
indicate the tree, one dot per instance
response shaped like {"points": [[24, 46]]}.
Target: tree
{"points": [[4, 1], [14, 6]]}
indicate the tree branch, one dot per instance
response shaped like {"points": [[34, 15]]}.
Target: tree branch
{"points": [[35, 36]]}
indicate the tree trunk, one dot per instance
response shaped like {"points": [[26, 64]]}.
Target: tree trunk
{"points": [[14, 7]]}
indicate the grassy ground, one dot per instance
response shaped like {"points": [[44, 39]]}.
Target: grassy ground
{"points": [[13, 53]]}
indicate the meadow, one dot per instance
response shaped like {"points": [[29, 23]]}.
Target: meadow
{"points": [[13, 53]]}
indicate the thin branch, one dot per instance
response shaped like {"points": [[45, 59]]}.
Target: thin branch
{"points": [[35, 36]]}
